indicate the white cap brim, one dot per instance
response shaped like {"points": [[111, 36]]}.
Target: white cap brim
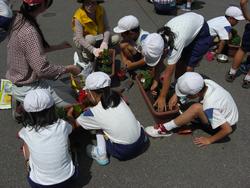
{"points": [[151, 61], [178, 92], [239, 18], [119, 30]]}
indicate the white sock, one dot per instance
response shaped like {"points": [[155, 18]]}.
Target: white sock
{"points": [[232, 71], [101, 144], [170, 125], [247, 77], [189, 4]]}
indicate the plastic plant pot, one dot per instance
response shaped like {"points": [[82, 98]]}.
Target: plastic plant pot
{"points": [[159, 117]]}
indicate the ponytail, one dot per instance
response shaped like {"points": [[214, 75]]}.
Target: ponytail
{"points": [[109, 98], [168, 36]]}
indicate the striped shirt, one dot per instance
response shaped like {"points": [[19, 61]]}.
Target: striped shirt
{"points": [[26, 60]]}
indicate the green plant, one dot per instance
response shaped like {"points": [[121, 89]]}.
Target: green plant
{"points": [[104, 62], [61, 112], [236, 39], [105, 57], [146, 79]]}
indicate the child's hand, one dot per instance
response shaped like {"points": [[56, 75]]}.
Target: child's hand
{"points": [[201, 141], [172, 103], [104, 45], [70, 112]]}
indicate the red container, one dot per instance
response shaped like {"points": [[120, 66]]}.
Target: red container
{"points": [[159, 117]]}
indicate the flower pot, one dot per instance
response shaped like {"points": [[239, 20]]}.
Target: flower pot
{"points": [[159, 117]]}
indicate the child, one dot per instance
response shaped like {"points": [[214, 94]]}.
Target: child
{"points": [[242, 51], [5, 18], [222, 26], [215, 107], [119, 133], [186, 39], [46, 143], [132, 37], [91, 30]]}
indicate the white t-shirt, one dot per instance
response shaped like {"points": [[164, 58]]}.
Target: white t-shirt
{"points": [[219, 105], [5, 9], [138, 42], [186, 27], [119, 124], [50, 160], [220, 26]]}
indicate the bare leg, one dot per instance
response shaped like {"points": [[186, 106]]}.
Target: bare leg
{"points": [[194, 111], [238, 58]]}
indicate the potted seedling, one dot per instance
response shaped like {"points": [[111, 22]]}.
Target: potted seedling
{"points": [[144, 81], [106, 62]]}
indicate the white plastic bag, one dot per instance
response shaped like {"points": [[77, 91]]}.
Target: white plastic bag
{"points": [[87, 68]]}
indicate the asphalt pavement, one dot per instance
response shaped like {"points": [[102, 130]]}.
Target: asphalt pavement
{"points": [[170, 162]]}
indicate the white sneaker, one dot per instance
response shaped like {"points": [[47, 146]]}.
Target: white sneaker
{"points": [[92, 152], [157, 131]]}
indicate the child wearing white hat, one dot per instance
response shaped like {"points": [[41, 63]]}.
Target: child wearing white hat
{"points": [[46, 142], [186, 39], [215, 108], [5, 18], [132, 37], [222, 26], [242, 51], [119, 133]]}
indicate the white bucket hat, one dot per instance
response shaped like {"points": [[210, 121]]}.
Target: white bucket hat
{"points": [[126, 23], [152, 49], [190, 83], [97, 80], [235, 12], [38, 100]]}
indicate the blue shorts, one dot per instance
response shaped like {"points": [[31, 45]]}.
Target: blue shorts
{"points": [[194, 52], [245, 44], [5, 22], [126, 152], [64, 184]]}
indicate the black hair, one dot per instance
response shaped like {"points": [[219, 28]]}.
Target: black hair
{"points": [[37, 120], [166, 31], [109, 98], [135, 30], [25, 10]]}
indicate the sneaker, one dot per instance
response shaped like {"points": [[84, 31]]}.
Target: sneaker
{"points": [[246, 84], [230, 77], [92, 152], [157, 131]]}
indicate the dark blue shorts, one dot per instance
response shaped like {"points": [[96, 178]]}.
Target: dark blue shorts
{"points": [[194, 52], [245, 44], [5, 22], [126, 152], [66, 183]]}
